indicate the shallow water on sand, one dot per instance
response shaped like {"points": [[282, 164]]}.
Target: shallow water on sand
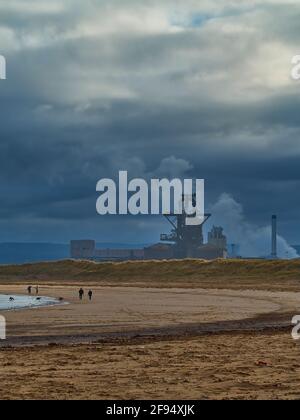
{"points": [[24, 302]]}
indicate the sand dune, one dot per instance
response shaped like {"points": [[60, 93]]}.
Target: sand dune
{"points": [[278, 275]]}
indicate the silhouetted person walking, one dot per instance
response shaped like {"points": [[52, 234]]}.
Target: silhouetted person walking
{"points": [[81, 294], [29, 289], [37, 290], [90, 294]]}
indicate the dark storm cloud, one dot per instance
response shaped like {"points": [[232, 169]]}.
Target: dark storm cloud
{"points": [[100, 86]]}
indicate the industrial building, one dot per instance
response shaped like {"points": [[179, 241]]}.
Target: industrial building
{"points": [[183, 241], [186, 241], [83, 249], [217, 239], [87, 249]]}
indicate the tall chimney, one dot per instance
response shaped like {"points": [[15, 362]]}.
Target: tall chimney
{"points": [[274, 236]]}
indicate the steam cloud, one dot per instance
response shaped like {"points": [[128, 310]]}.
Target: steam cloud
{"points": [[254, 241]]}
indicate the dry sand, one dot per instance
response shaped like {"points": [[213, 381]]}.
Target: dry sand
{"points": [[231, 366]]}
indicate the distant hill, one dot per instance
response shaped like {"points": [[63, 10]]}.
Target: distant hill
{"points": [[22, 253]]}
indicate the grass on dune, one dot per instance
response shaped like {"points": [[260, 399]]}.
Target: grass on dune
{"points": [[236, 274]]}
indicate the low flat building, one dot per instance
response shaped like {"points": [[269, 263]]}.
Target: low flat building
{"points": [[163, 251], [83, 249], [86, 250]]}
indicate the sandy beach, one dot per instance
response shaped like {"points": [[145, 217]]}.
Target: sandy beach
{"points": [[137, 342]]}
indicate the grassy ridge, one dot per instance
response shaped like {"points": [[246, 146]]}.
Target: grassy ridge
{"points": [[235, 274]]}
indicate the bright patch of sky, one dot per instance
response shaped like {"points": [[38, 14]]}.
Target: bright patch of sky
{"points": [[191, 21], [197, 20]]}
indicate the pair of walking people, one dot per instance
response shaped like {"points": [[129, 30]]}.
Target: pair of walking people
{"points": [[81, 294]]}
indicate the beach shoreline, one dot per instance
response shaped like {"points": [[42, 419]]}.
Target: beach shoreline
{"points": [[130, 311]]}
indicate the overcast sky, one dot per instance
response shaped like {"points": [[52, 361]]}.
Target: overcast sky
{"points": [[171, 88]]}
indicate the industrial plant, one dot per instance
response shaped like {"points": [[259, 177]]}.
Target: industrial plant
{"points": [[183, 241], [173, 246]]}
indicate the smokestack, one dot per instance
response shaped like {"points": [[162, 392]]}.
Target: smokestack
{"points": [[274, 236]]}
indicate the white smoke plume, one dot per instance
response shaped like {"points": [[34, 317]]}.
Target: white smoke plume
{"points": [[253, 241]]}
